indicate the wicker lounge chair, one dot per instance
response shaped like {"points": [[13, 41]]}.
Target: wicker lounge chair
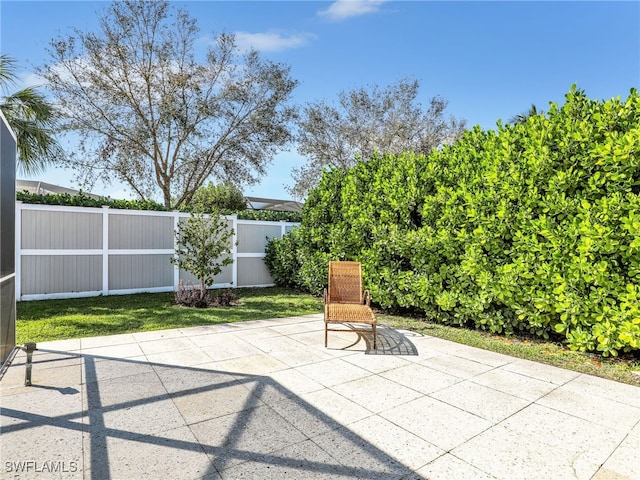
{"points": [[346, 302]]}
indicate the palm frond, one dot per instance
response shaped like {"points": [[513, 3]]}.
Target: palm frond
{"points": [[523, 117], [32, 119], [7, 71]]}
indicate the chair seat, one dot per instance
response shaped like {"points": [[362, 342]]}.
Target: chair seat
{"points": [[349, 312]]}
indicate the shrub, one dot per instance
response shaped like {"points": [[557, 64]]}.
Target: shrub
{"points": [[530, 227], [281, 258], [223, 298], [191, 296]]}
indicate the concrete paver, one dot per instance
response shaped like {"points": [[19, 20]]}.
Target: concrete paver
{"points": [[538, 442], [266, 399], [437, 422], [484, 402]]}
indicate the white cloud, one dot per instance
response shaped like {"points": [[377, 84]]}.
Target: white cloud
{"points": [[270, 41], [32, 80], [343, 9]]}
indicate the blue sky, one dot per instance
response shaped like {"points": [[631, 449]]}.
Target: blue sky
{"points": [[490, 60]]}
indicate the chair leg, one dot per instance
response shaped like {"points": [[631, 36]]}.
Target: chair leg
{"points": [[374, 337]]}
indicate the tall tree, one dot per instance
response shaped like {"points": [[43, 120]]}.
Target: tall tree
{"points": [[152, 115], [366, 120], [31, 118]]}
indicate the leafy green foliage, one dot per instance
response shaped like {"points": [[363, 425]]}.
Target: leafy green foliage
{"points": [[223, 197], [533, 227], [282, 260], [81, 199], [203, 247], [270, 216]]}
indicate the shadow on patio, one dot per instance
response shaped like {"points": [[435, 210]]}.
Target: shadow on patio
{"points": [[130, 418]]}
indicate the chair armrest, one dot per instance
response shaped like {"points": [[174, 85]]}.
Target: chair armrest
{"points": [[367, 298]]}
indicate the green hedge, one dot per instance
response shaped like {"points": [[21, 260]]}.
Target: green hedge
{"points": [[269, 216], [82, 200], [532, 227]]}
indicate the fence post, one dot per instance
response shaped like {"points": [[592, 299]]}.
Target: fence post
{"points": [[234, 252], [18, 248], [176, 268], [105, 250]]}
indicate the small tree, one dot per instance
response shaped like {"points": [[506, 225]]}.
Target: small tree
{"points": [[224, 197], [203, 247]]}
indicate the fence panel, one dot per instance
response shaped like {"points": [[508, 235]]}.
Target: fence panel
{"points": [[140, 232], [47, 230], [253, 237], [253, 272], [129, 272], [64, 252], [53, 274]]}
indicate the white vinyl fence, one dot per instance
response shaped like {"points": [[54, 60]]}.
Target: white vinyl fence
{"points": [[65, 252]]}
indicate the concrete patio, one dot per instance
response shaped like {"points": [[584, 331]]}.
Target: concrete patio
{"points": [[265, 399]]}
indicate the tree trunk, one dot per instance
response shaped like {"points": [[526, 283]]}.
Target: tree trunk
{"points": [[203, 289]]}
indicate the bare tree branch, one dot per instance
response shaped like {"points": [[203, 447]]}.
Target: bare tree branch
{"points": [[367, 120], [150, 114]]}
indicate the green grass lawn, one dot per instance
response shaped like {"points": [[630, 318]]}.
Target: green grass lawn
{"points": [[625, 368], [44, 320]]}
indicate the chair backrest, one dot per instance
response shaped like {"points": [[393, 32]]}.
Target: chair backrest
{"points": [[345, 282]]}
